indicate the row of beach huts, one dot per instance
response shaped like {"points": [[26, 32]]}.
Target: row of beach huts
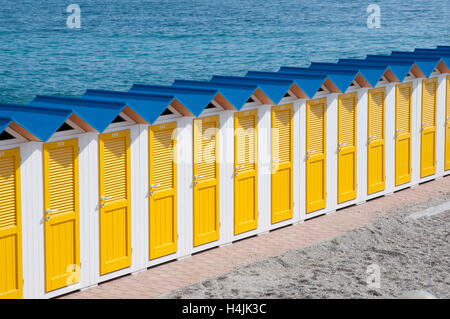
{"points": [[111, 183]]}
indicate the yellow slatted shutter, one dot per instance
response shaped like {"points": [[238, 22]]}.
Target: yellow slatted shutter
{"points": [[10, 226], [403, 134], [62, 238], [347, 147], [428, 143], [246, 172], [376, 141], [206, 180], [115, 202], [316, 192], [163, 190]]}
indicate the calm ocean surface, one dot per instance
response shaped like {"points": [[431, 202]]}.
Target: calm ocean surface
{"points": [[145, 41]]}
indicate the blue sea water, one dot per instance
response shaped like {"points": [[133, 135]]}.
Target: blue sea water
{"points": [[146, 41]]}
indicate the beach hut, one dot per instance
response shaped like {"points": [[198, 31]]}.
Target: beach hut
{"points": [[18, 125], [30, 178]]}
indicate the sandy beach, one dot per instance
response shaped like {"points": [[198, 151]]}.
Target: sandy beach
{"points": [[385, 259]]}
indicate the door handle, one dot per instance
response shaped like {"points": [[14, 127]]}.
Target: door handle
{"points": [[154, 186], [398, 131], [372, 137], [48, 218], [198, 176], [310, 151], [48, 211], [107, 197], [239, 167], [342, 144]]}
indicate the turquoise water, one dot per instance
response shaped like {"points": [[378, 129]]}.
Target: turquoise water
{"points": [[136, 41]]}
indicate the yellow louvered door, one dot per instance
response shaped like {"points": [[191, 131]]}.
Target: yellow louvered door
{"points": [[246, 171], [163, 190], [11, 281], [347, 147], [61, 216], [376, 141], [447, 127], [282, 159], [206, 180], [403, 133], [428, 145], [316, 155], [115, 198]]}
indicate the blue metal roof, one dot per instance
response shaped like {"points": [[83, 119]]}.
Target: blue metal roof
{"points": [[437, 56], [98, 114], [149, 106], [40, 122], [4, 123], [400, 69], [342, 79], [426, 65], [275, 89], [237, 94], [373, 73], [309, 84], [195, 99], [99, 108], [442, 52]]}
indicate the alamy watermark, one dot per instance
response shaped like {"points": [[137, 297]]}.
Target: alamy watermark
{"points": [[74, 19], [374, 18], [74, 274], [374, 276]]}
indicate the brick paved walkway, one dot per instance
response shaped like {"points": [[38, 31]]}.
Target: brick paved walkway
{"points": [[167, 277]]}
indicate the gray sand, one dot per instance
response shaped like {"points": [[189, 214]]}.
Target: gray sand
{"points": [[412, 254]]}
